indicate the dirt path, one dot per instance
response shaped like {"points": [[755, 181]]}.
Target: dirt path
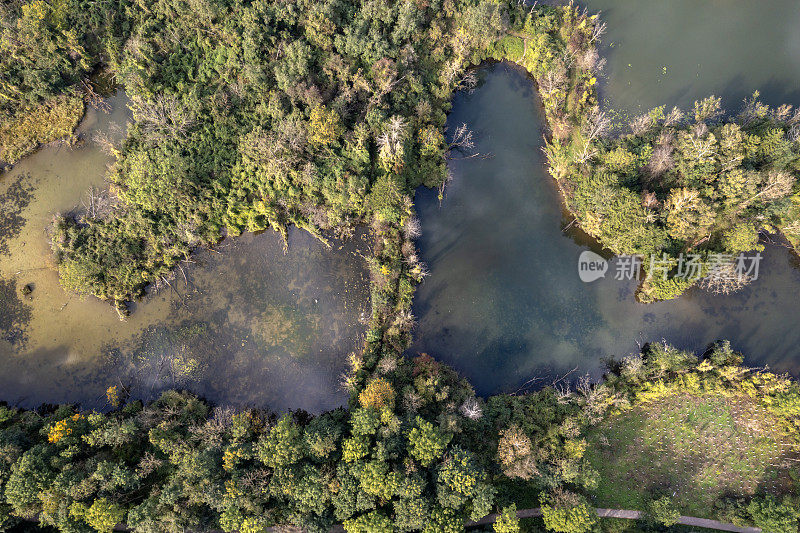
{"points": [[602, 513], [630, 515]]}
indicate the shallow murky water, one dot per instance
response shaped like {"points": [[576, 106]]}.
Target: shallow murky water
{"points": [[504, 303], [247, 325]]}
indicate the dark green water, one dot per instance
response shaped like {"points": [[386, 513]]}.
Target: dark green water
{"points": [[504, 303], [672, 52]]}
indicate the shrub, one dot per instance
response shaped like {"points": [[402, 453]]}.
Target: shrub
{"points": [[40, 124], [662, 511], [566, 512], [771, 515], [507, 522]]}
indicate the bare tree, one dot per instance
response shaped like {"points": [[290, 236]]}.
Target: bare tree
{"points": [[701, 143], [100, 204], [598, 30], [387, 364], [93, 98], [515, 453], [281, 149], [554, 80], [147, 464], [471, 409], [792, 229], [596, 125], [164, 114], [782, 113], [106, 139], [412, 227], [661, 160], [468, 82], [448, 177], [778, 184], [588, 60], [674, 117], [641, 123], [405, 320], [412, 400], [724, 279], [462, 139], [387, 81], [794, 133], [392, 139]]}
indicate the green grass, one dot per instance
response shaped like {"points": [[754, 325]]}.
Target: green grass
{"points": [[695, 449]]}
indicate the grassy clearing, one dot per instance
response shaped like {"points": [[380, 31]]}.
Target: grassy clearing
{"points": [[695, 449], [52, 120]]}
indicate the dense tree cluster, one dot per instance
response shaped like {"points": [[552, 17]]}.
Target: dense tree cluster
{"points": [[262, 114], [415, 451], [701, 184]]}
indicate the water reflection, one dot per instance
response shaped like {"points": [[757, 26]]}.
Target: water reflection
{"points": [[504, 303], [244, 324], [676, 52]]}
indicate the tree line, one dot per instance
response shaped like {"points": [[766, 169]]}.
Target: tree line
{"points": [[415, 450]]}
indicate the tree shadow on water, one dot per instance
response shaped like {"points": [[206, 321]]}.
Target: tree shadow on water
{"points": [[16, 197], [14, 314]]}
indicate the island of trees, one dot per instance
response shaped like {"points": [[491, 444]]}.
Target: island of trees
{"points": [[328, 115]]}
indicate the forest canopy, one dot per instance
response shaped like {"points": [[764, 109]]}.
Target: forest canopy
{"points": [[258, 115], [703, 184], [415, 451]]}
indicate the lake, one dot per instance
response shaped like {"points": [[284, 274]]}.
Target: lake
{"points": [[504, 304], [678, 51], [248, 325]]}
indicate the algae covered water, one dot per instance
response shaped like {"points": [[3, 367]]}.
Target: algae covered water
{"points": [[244, 324]]}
